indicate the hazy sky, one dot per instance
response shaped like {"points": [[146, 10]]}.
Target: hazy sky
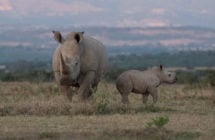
{"points": [[121, 13]]}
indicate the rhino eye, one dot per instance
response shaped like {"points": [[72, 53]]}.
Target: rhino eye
{"points": [[76, 63], [169, 75]]}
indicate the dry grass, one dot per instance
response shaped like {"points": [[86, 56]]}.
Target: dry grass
{"points": [[41, 111]]}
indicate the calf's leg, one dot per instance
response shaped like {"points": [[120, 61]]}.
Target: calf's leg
{"points": [[145, 97], [124, 97], [153, 92]]}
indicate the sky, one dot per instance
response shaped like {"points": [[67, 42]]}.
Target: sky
{"points": [[111, 13]]}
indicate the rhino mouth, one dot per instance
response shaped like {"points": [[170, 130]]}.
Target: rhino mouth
{"points": [[174, 81], [65, 81]]}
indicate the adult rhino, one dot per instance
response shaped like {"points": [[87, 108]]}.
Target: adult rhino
{"points": [[79, 61]]}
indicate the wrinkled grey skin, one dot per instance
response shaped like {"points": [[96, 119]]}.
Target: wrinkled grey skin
{"points": [[79, 61], [143, 82]]}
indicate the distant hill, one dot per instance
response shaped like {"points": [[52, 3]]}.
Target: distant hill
{"points": [[36, 42]]}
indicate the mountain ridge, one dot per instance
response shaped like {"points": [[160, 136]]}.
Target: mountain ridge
{"points": [[39, 39]]}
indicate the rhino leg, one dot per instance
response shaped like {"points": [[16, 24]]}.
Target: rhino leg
{"points": [[86, 86], [64, 88], [92, 90], [145, 97], [57, 77], [153, 92], [94, 86], [125, 98], [124, 88], [67, 90], [124, 93]]}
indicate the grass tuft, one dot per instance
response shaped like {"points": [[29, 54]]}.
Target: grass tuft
{"points": [[158, 122]]}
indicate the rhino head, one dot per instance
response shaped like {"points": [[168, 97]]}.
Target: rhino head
{"points": [[165, 76], [70, 55]]}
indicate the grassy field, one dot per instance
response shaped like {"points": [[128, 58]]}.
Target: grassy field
{"points": [[41, 111]]}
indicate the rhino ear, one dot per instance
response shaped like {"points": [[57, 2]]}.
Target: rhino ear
{"points": [[58, 37], [161, 67], [79, 36]]}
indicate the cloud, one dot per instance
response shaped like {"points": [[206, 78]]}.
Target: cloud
{"points": [[204, 11], [110, 12], [133, 10], [52, 8], [155, 23], [142, 23], [73, 8], [158, 11], [5, 5]]}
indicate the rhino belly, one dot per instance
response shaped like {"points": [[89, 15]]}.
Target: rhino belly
{"points": [[139, 87]]}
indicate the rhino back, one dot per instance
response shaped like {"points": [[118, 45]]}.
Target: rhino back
{"points": [[141, 80], [150, 78], [93, 56]]}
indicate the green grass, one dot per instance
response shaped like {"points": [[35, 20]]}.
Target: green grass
{"points": [[41, 111], [82, 127], [158, 122]]}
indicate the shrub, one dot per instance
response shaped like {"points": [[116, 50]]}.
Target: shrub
{"points": [[159, 122], [210, 78], [151, 108]]}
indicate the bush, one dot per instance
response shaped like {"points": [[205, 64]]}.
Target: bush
{"points": [[159, 122], [196, 77], [210, 78], [32, 76]]}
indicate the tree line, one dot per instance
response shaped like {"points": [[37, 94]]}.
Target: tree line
{"points": [[39, 71]]}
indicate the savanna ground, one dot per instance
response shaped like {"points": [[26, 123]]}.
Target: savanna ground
{"points": [[41, 111]]}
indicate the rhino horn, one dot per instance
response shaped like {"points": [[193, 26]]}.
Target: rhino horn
{"points": [[63, 65]]}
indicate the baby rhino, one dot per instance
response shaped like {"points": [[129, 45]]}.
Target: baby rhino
{"points": [[143, 82]]}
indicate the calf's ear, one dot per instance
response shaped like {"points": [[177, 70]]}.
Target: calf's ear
{"points": [[161, 67], [58, 37]]}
